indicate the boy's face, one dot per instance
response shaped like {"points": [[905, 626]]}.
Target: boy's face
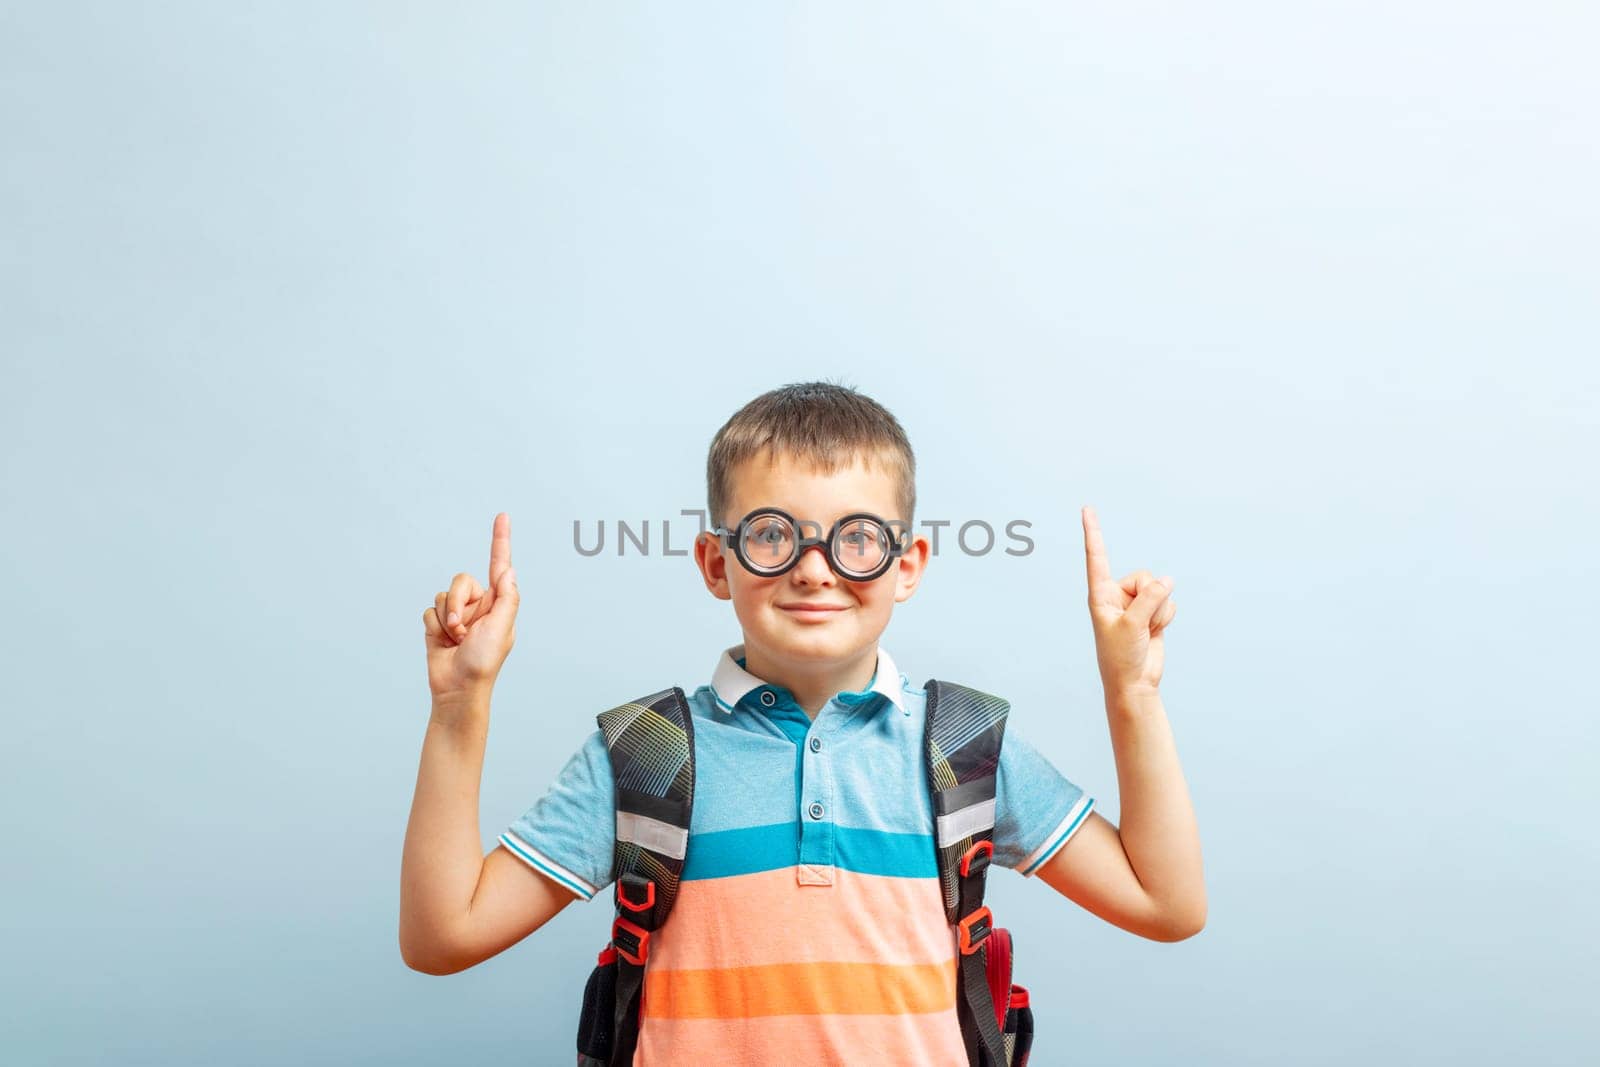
{"points": [[768, 607]]}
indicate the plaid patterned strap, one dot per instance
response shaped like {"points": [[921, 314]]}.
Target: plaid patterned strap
{"points": [[965, 727], [651, 743], [964, 730]]}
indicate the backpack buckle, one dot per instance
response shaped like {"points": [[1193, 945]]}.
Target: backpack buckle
{"points": [[972, 855], [975, 930], [632, 942], [635, 880]]}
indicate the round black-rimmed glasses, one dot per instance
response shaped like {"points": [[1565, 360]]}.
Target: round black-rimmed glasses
{"points": [[770, 541]]}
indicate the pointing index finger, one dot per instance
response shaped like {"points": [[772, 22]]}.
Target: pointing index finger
{"points": [[499, 548], [1094, 551]]}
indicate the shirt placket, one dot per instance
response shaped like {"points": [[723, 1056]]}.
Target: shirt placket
{"points": [[818, 811]]}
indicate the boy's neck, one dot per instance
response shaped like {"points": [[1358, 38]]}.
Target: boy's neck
{"points": [[814, 684]]}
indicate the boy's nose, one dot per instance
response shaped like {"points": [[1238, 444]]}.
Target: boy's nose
{"points": [[813, 565]]}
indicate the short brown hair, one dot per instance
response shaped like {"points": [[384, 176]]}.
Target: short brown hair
{"points": [[828, 424]]}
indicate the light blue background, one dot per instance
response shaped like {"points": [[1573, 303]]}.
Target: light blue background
{"points": [[1302, 298]]}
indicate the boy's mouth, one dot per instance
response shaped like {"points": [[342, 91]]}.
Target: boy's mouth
{"points": [[811, 612]]}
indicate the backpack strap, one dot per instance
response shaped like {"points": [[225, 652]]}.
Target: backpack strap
{"points": [[965, 728], [651, 744]]}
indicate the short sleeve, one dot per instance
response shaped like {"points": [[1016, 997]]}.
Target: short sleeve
{"points": [[570, 833], [1037, 809]]}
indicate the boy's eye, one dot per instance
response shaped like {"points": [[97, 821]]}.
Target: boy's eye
{"points": [[769, 542], [863, 544]]}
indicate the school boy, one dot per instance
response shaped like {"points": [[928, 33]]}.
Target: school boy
{"points": [[809, 926]]}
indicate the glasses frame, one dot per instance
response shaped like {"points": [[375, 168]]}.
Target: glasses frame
{"points": [[893, 527]]}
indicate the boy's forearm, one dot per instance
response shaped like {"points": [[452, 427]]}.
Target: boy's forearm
{"points": [[1159, 831], [442, 857]]}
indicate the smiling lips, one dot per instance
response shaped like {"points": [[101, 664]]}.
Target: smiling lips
{"points": [[812, 610]]}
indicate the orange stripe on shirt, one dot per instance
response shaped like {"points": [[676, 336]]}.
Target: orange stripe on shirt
{"points": [[800, 989], [931, 1040], [750, 920]]}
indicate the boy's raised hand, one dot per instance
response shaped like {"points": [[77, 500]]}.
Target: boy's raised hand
{"points": [[1129, 617], [470, 629]]}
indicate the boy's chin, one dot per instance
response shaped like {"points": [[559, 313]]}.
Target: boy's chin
{"points": [[826, 641]]}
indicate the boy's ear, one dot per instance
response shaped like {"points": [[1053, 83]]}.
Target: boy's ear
{"points": [[910, 567], [713, 565]]}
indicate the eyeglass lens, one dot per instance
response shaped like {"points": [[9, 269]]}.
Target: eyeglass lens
{"points": [[859, 545]]}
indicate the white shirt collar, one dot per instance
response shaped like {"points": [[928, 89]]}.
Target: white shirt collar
{"points": [[730, 682]]}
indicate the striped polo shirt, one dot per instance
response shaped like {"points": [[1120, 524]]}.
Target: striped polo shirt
{"points": [[809, 925]]}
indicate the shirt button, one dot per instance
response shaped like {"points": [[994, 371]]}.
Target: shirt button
{"points": [[815, 810], [768, 697], [816, 744]]}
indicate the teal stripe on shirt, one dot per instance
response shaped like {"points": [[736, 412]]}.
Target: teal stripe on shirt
{"points": [[751, 850]]}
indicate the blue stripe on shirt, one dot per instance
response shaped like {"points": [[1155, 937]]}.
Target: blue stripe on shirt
{"points": [[751, 850]]}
